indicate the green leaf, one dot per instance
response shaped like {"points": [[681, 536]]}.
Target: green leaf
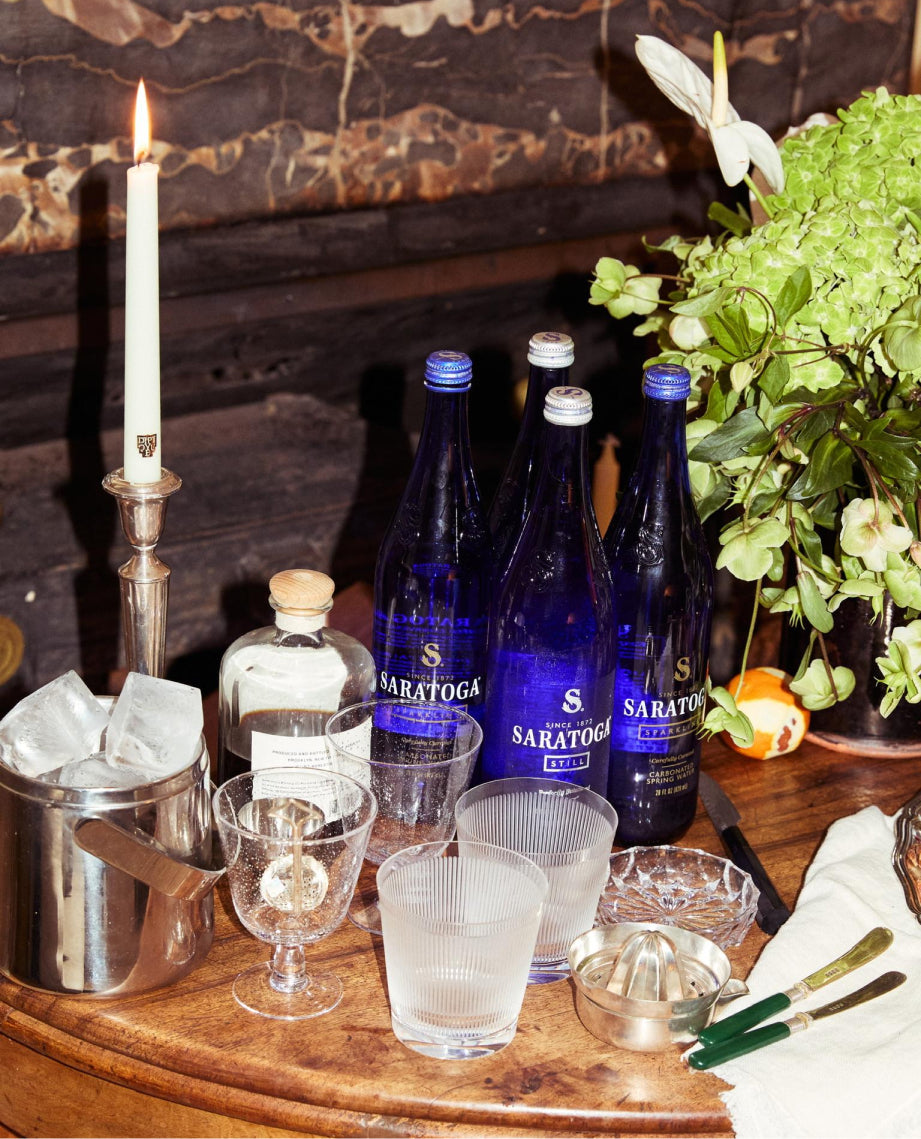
{"points": [[714, 501], [705, 304], [729, 327], [731, 438], [775, 377], [726, 717], [817, 690], [728, 219], [810, 544], [794, 293], [830, 466], [824, 510], [814, 426], [891, 460], [814, 607], [902, 336]]}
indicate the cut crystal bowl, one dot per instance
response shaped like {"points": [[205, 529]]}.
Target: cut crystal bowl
{"points": [[673, 885]]}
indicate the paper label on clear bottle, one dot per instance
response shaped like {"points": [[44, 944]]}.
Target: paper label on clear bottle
{"points": [[288, 751]]}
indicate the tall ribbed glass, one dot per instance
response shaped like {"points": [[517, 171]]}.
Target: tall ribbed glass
{"points": [[432, 580], [550, 356], [663, 596], [551, 654]]}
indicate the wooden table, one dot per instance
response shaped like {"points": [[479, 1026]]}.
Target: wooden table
{"points": [[188, 1061]]}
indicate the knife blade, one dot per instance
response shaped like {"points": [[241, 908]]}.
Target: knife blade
{"points": [[747, 1042], [874, 943], [772, 912]]}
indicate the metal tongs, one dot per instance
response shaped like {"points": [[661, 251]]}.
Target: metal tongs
{"points": [[906, 856]]}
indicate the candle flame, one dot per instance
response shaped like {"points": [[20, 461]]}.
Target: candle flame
{"points": [[141, 125]]}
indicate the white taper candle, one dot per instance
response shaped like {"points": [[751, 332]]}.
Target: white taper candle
{"points": [[142, 310]]}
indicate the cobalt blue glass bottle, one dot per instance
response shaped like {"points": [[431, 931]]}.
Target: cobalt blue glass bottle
{"points": [[663, 598], [432, 580], [551, 646], [550, 355]]}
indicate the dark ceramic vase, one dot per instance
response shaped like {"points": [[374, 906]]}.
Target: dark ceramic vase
{"points": [[855, 725]]}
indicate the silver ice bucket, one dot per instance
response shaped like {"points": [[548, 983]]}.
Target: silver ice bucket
{"points": [[105, 893]]}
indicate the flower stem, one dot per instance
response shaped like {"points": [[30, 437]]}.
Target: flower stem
{"points": [[751, 630], [757, 195]]}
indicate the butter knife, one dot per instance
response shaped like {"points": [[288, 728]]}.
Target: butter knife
{"points": [[760, 1037], [874, 943], [772, 912]]}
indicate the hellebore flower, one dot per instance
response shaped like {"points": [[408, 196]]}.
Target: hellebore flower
{"points": [[737, 143], [868, 532]]}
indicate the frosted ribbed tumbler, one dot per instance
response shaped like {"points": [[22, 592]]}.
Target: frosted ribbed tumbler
{"points": [[568, 832], [459, 931]]}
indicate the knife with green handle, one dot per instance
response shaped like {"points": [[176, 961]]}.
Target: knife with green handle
{"points": [[872, 945], [746, 1042]]}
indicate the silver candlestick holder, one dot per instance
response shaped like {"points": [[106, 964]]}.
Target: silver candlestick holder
{"points": [[144, 579]]}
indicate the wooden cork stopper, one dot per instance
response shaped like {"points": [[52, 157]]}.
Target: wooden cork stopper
{"points": [[302, 591]]}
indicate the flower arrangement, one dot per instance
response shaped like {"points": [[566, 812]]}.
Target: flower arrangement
{"points": [[802, 333]]}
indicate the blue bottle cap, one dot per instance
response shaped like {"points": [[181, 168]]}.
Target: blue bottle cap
{"points": [[569, 407], [448, 371], [667, 381], [551, 350]]}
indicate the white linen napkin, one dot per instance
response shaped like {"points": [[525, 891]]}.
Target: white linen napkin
{"points": [[857, 1073]]}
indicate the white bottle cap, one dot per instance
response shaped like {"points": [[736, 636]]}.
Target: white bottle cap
{"points": [[570, 407], [551, 350]]}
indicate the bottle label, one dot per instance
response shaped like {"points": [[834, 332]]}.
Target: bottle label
{"points": [[288, 751], [659, 703], [421, 657], [551, 729]]}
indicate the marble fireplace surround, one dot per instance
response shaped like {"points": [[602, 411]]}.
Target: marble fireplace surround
{"points": [[344, 186]]}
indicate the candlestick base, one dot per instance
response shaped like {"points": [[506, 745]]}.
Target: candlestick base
{"points": [[144, 578]]}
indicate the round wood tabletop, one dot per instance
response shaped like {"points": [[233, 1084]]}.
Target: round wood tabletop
{"points": [[187, 1060]]}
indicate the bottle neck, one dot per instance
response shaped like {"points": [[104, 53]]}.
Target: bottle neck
{"points": [[291, 623], [540, 381], [444, 444], [564, 466], [663, 444]]}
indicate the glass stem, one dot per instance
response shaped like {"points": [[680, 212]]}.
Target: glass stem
{"points": [[289, 969]]}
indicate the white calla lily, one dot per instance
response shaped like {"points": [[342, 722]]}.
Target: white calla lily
{"points": [[737, 143]]}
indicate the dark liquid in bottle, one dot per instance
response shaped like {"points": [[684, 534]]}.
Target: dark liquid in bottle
{"points": [[234, 751]]}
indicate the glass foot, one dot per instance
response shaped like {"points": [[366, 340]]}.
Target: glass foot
{"points": [[320, 993], [366, 914], [544, 973]]}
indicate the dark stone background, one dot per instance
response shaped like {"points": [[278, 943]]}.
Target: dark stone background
{"points": [[344, 188]]}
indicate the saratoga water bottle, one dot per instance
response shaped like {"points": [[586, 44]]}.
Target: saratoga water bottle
{"points": [[280, 684], [551, 653], [663, 598], [550, 355], [431, 584]]}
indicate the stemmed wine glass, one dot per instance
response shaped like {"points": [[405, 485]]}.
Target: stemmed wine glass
{"points": [[293, 842], [417, 757]]}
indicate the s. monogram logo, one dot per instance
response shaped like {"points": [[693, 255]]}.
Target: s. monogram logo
{"points": [[147, 445]]}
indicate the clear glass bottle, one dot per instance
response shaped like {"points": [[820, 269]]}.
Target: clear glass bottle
{"points": [[280, 684], [550, 355], [662, 579], [551, 653], [432, 580]]}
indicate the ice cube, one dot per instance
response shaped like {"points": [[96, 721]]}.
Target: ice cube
{"points": [[155, 726], [58, 723], [95, 773]]}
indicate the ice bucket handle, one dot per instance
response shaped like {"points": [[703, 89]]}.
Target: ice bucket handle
{"points": [[141, 856]]}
